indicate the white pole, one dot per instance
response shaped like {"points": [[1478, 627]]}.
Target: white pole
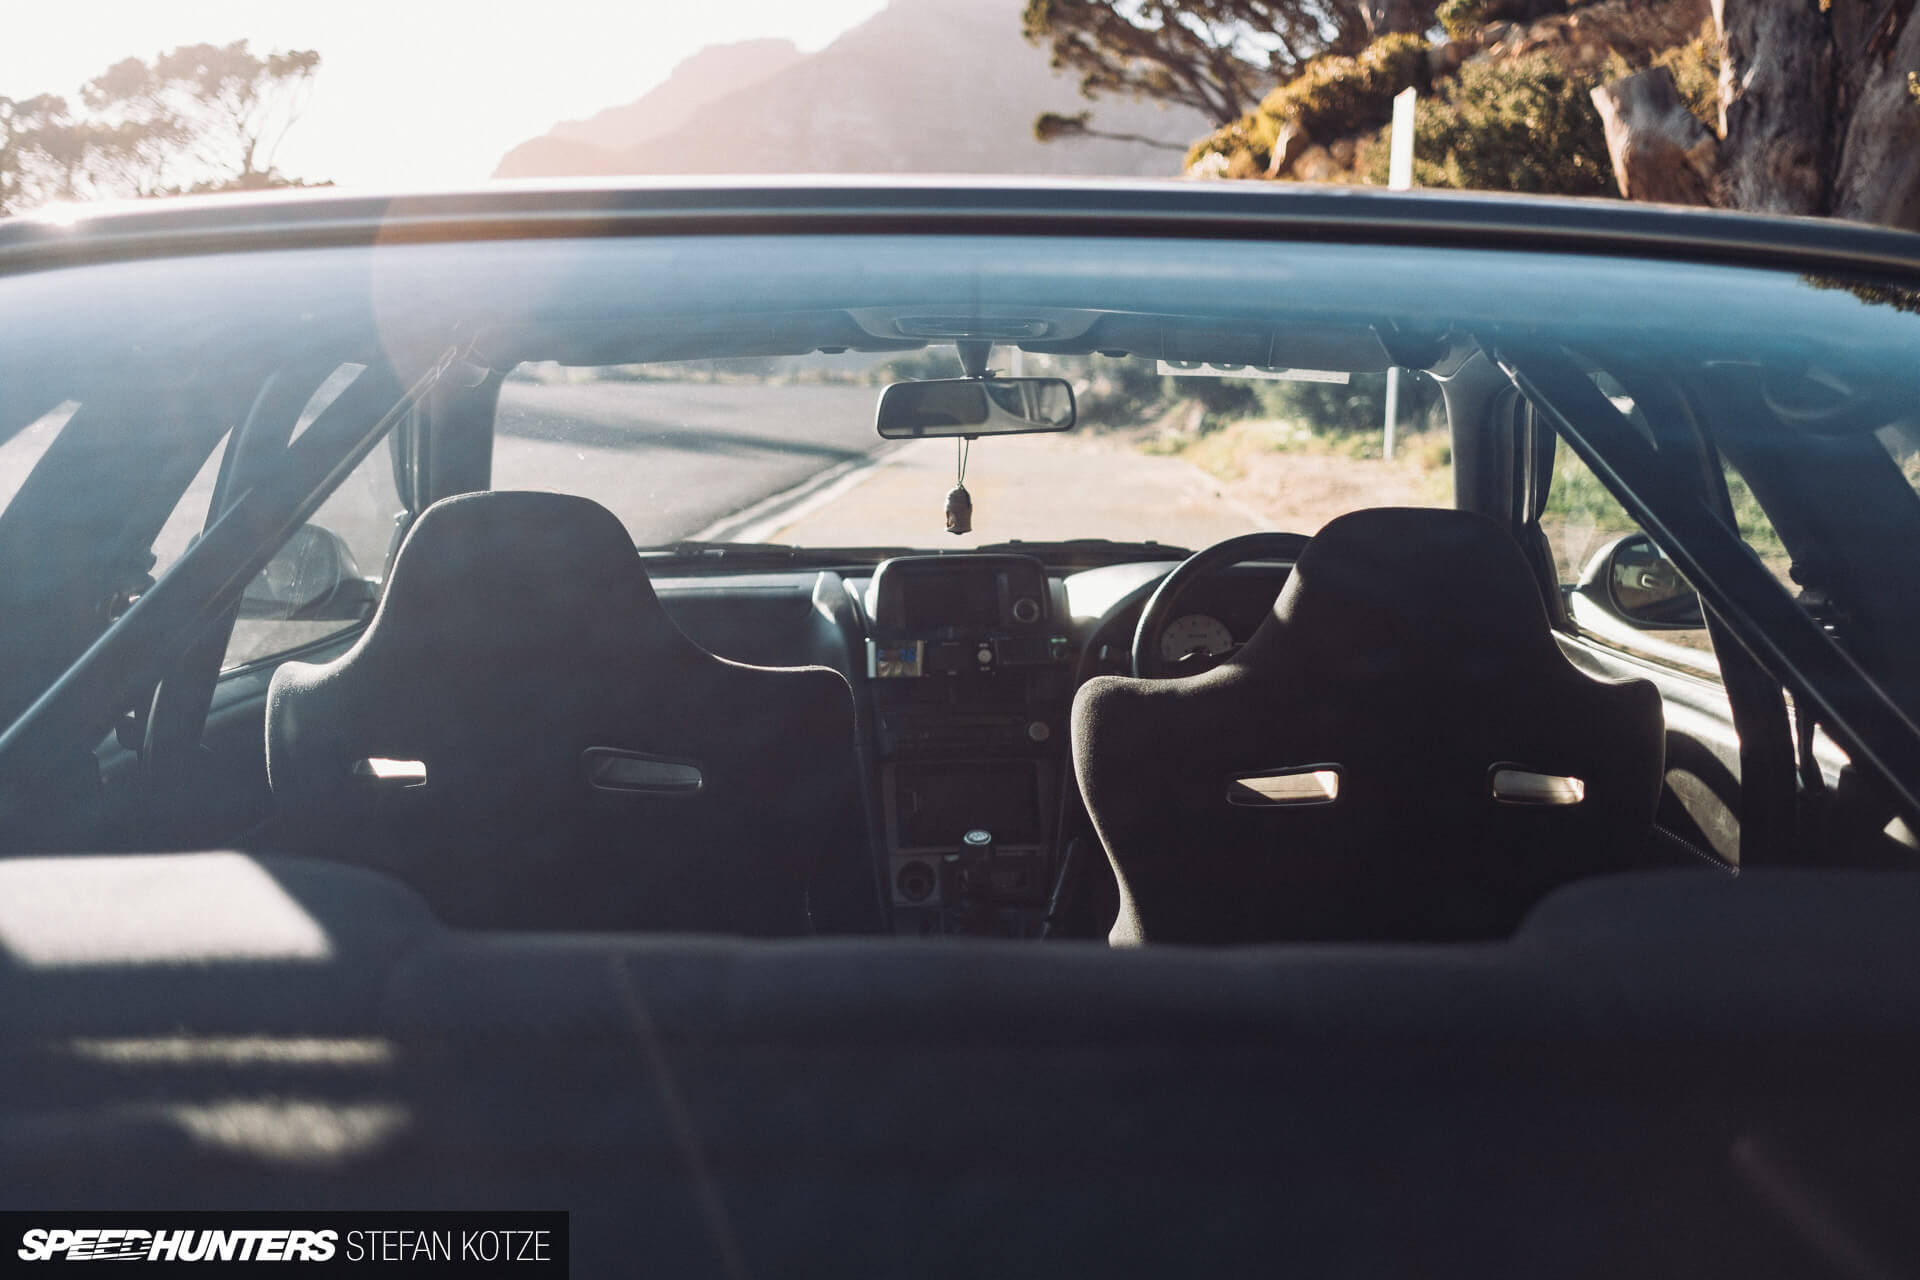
{"points": [[1400, 148], [1393, 407], [1399, 178]]}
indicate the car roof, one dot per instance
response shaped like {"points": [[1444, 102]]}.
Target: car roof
{"points": [[1253, 210]]}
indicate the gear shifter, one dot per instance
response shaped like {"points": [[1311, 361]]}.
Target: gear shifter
{"points": [[977, 854], [970, 878]]}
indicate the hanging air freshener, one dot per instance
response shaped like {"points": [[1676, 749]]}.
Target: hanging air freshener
{"points": [[959, 510], [959, 501]]}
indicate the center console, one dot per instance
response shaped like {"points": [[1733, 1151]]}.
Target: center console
{"points": [[970, 666]]}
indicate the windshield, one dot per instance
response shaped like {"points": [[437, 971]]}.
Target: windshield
{"points": [[782, 449]]}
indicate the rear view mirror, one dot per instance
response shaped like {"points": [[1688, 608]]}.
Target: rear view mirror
{"points": [[948, 407], [1632, 580], [312, 578]]}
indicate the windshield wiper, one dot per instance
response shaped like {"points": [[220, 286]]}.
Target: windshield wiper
{"points": [[734, 555], [1076, 552], [1090, 551]]}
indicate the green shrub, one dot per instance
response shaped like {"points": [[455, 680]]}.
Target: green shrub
{"points": [[1328, 408], [1463, 18], [1247, 144], [1332, 97], [1123, 392], [1337, 95], [1696, 73], [1356, 406], [1522, 124], [1224, 401]]}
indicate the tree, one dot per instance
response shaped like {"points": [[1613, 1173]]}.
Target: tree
{"points": [[1815, 115], [1816, 110], [1218, 56], [20, 124], [45, 153], [201, 118], [218, 111]]}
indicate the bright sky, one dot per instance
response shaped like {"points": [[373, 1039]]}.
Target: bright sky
{"points": [[416, 92]]}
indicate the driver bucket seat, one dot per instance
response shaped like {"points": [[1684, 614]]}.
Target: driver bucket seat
{"points": [[1401, 750], [524, 735]]}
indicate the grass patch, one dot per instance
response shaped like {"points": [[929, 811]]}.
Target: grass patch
{"points": [[1225, 453]]}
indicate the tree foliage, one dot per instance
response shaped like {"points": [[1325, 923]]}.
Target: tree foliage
{"points": [[1051, 126], [1526, 124], [1463, 18], [1335, 93], [1217, 56], [201, 118], [37, 139], [1332, 95]]}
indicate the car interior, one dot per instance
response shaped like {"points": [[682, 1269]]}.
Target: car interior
{"points": [[946, 911]]}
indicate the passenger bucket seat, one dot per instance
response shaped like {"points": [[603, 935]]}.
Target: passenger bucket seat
{"points": [[524, 735], [1400, 751]]}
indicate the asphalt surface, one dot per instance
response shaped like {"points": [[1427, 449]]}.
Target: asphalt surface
{"points": [[670, 459]]}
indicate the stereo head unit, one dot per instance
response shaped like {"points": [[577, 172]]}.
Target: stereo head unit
{"points": [[945, 615], [951, 597]]}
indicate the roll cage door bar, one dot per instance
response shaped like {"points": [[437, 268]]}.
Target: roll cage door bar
{"points": [[1679, 512], [134, 655]]}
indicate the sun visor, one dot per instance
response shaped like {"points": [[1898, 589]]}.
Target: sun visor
{"points": [[1345, 347], [1351, 347]]}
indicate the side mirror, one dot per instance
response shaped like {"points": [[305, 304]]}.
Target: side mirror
{"points": [[946, 407], [1632, 581], [312, 578]]}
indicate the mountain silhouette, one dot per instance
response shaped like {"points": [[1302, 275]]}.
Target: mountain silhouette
{"points": [[924, 86]]}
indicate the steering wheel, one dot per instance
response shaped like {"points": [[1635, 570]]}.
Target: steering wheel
{"points": [[1162, 605]]}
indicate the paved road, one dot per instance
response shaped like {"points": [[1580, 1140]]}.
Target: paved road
{"points": [[672, 458]]}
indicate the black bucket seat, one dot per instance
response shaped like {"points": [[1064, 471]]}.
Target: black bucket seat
{"points": [[1400, 751], [524, 735]]}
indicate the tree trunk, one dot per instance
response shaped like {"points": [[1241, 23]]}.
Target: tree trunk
{"points": [[1661, 151], [1877, 178], [1817, 115], [1776, 85]]}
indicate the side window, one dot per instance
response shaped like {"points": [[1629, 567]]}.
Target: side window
{"points": [[1585, 524], [190, 513], [352, 533], [21, 451]]}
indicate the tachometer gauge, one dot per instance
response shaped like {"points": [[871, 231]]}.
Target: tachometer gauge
{"points": [[1195, 631]]}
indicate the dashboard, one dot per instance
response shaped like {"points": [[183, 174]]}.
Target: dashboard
{"points": [[964, 668]]}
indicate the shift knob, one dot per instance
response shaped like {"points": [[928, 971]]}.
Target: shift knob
{"points": [[976, 864]]}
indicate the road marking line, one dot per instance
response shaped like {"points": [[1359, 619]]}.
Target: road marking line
{"points": [[760, 521]]}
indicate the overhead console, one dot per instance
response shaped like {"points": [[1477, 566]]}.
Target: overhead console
{"points": [[971, 671]]}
